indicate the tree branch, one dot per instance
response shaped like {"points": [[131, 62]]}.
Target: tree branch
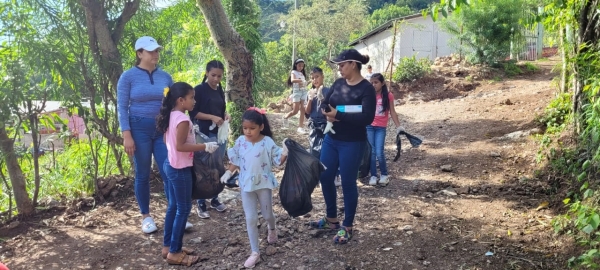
{"points": [[128, 11]]}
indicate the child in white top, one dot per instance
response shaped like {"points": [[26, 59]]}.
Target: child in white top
{"points": [[181, 145], [254, 154], [297, 81]]}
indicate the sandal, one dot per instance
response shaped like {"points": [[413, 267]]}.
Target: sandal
{"points": [[272, 236], [343, 236], [323, 224], [183, 259], [183, 249]]}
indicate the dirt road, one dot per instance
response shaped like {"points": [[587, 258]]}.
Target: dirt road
{"points": [[480, 212]]}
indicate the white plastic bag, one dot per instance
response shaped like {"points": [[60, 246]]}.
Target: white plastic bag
{"points": [[223, 132]]}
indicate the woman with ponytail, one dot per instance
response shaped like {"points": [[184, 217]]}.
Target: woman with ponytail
{"points": [[139, 95], [209, 113], [181, 145], [376, 131], [350, 106]]}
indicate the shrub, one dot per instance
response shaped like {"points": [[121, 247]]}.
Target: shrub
{"points": [[411, 68], [557, 113]]}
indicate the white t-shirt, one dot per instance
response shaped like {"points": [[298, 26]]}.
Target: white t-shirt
{"points": [[298, 86]]}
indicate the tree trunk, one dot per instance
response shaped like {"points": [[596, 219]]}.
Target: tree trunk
{"points": [[35, 137], [238, 59], [103, 38], [17, 180]]}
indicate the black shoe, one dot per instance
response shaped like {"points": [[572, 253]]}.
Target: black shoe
{"points": [[217, 205]]}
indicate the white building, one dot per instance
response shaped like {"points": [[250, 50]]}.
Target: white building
{"points": [[415, 35]]}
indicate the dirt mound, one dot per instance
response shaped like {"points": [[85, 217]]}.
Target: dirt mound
{"points": [[432, 87]]}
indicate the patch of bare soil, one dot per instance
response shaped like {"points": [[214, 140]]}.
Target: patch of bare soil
{"points": [[468, 198]]}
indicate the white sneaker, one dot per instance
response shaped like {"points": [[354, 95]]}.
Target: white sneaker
{"points": [[301, 130], [384, 180], [338, 181], [373, 181], [148, 225], [188, 225], [252, 260]]}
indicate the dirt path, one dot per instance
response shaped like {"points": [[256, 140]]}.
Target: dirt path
{"points": [[425, 219]]}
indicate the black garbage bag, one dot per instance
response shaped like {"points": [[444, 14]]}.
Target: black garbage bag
{"points": [[414, 141], [365, 163], [300, 177], [316, 137], [208, 169]]}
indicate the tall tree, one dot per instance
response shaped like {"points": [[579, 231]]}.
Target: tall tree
{"points": [[329, 22], [239, 62]]}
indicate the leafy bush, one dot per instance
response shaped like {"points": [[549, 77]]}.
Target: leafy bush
{"points": [[557, 114], [511, 68], [484, 29], [531, 67], [411, 68], [69, 172]]}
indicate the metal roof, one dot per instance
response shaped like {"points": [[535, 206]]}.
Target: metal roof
{"points": [[383, 27]]}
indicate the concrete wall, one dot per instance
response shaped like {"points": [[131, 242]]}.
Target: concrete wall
{"points": [[419, 36]]}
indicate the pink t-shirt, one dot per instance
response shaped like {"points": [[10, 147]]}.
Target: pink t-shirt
{"points": [[381, 119], [179, 160]]}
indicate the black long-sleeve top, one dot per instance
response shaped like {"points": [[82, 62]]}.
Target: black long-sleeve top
{"points": [[208, 101], [351, 127]]}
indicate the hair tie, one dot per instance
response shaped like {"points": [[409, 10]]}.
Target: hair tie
{"points": [[165, 91], [259, 110]]}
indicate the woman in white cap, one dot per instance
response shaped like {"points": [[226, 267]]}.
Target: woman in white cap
{"points": [[297, 81], [350, 106], [139, 98]]}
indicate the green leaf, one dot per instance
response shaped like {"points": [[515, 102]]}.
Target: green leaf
{"points": [[595, 221], [586, 164], [566, 201], [588, 229], [588, 193], [584, 186], [581, 176]]}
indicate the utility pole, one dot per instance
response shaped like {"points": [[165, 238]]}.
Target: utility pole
{"points": [[294, 36]]}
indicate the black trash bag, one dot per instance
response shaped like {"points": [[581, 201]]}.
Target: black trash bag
{"points": [[414, 141], [208, 169], [300, 177], [365, 163], [316, 137]]}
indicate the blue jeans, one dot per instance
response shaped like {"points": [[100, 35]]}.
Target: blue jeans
{"points": [[221, 150], [148, 140], [346, 156], [376, 137], [178, 187]]}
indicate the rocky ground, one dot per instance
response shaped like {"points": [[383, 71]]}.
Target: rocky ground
{"points": [[468, 198]]}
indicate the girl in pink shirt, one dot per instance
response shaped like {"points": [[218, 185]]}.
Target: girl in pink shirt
{"points": [[377, 130], [181, 145]]}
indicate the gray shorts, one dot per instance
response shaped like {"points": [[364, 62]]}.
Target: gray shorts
{"points": [[299, 95]]}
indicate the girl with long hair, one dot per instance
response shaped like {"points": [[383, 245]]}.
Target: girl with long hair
{"points": [[254, 154], [376, 131], [181, 145], [297, 81], [209, 113]]}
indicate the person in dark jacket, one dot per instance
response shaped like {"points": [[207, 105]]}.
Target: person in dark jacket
{"points": [[209, 113], [316, 119], [350, 106]]}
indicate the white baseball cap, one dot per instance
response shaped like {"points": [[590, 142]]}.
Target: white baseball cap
{"points": [[147, 43]]}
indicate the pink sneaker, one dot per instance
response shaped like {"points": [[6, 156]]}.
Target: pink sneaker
{"points": [[272, 236], [252, 260]]}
